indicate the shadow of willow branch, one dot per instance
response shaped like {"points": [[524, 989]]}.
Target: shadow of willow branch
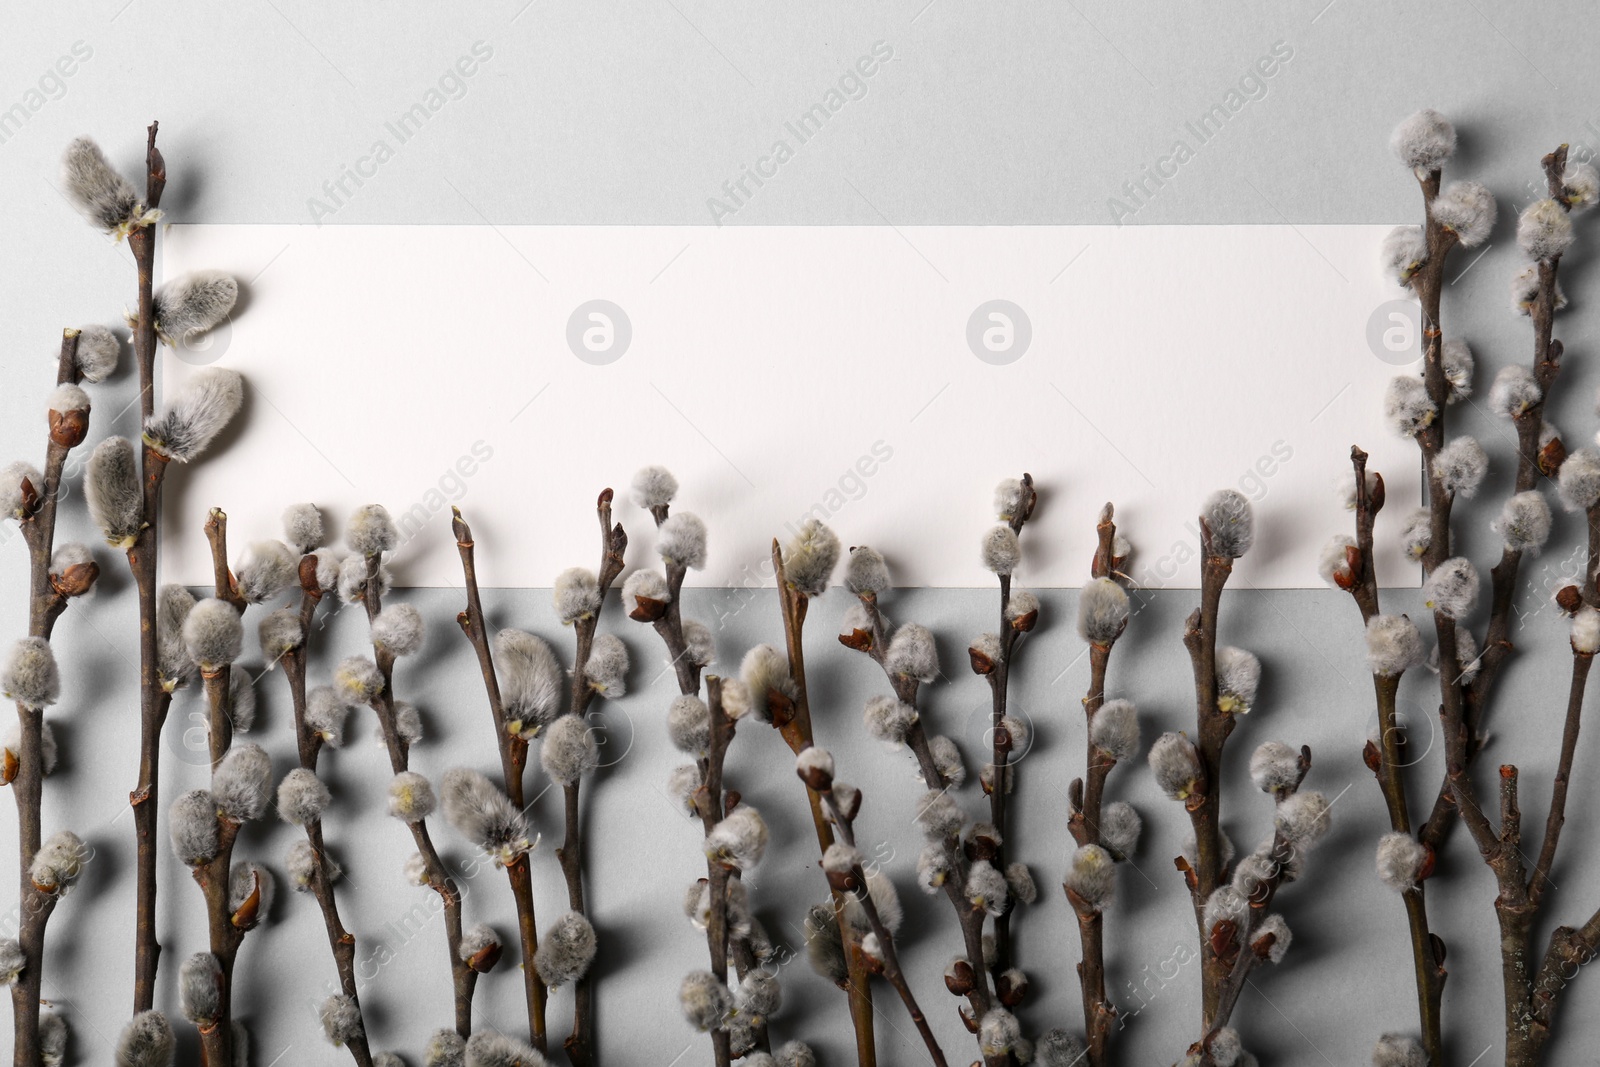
{"points": [[513, 749]]}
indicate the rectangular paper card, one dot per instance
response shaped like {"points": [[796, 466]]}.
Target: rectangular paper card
{"points": [[881, 379]]}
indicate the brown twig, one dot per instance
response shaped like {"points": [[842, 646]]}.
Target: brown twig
{"points": [[513, 765], [464, 979], [794, 724], [874, 643], [154, 699], [613, 544], [46, 603], [308, 744]]}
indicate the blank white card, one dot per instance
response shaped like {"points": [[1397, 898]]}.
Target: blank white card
{"points": [[881, 379]]}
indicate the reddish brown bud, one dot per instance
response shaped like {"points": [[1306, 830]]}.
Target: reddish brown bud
{"points": [[484, 959], [1262, 946], [647, 610], [981, 664], [1352, 559], [1025, 623], [249, 912], [958, 978], [1551, 456], [76, 580], [9, 767], [68, 429], [1429, 862], [308, 577], [842, 881], [1372, 757], [1375, 495], [860, 640], [1570, 599], [1012, 987]]}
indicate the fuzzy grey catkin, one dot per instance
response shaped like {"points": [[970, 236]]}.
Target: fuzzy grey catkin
{"points": [[1405, 250], [999, 1032], [326, 715], [681, 785], [607, 667], [570, 750], [358, 681], [1407, 407], [576, 594], [411, 798], [939, 816], [1057, 1048], [1514, 391], [1115, 730], [200, 988], [1333, 563], [739, 840], [279, 633], [29, 675], [947, 761], [301, 863], [245, 880], [242, 782], [214, 634], [1544, 230], [370, 531], [1580, 185], [765, 671], [1238, 676], [303, 527], [113, 490], [1586, 630], [173, 605], [1274, 767], [1303, 818], [1120, 827], [483, 814], [193, 303], [48, 752], [1467, 209], [445, 1048], [1393, 644], [1000, 550], [12, 961], [1398, 1050], [1229, 518], [98, 353], [1102, 611], [705, 1000], [398, 629], [1525, 289], [933, 869], [199, 412], [701, 644], [681, 541], [407, 724], [341, 1019], [810, 557], [1524, 522], [566, 951], [1176, 765], [1092, 875], [267, 569], [689, 724], [97, 190], [67, 397], [645, 585], [330, 566], [1579, 480], [865, 571], [241, 699], [147, 1041], [912, 653], [654, 487], [1399, 860], [302, 797], [1460, 467], [52, 1039], [192, 824], [1416, 533], [889, 720], [477, 939], [59, 863], [1459, 364], [530, 681], [13, 504], [986, 888], [1452, 588], [1424, 141], [1019, 880]]}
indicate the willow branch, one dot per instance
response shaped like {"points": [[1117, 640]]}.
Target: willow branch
{"points": [[513, 765]]}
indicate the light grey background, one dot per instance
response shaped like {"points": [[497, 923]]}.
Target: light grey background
{"points": [[638, 113]]}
